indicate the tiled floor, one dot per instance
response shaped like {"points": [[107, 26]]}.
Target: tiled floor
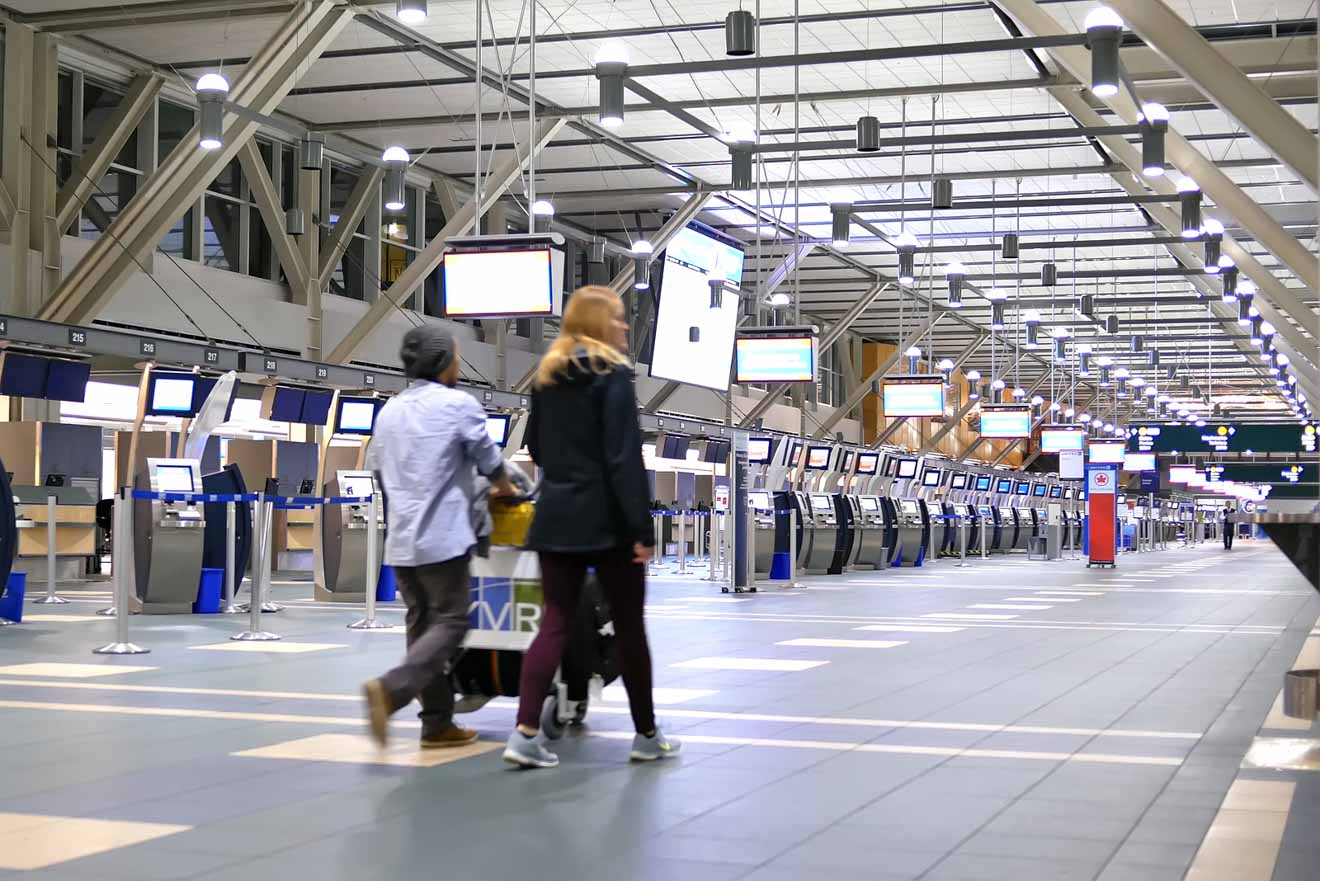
{"points": [[899, 725]]}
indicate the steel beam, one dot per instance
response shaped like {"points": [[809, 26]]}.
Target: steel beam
{"points": [[341, 234], [1191, 54], [1034, 19], [460, 223], [962, 359], [863, 388], [44, 232], [786, 268], [682, 217], [840, 327], [272, 214], [17, 163], [144, 14], [971, 448], [115, 132], [1045, 134], [185, 173]]}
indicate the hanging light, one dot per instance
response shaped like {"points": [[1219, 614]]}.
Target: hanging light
{"points": [[1189, 198], [840, 223], [1019, 392], [716, 292], [1137, 343], [1229, 279], [641, 274], [973, 390], [611, 68], [1266, 334], [998, 385], [1154, 122], [1049, 275], [396, 161], [1121, 375], [311, 152], [541, 212], [1085, 418], [955, 273], [1036, 400], [1246, 293], [739, 33], [1153, 358], [779, 299], [868, 134], [1069, 414], [941, 194], [1257, 327], [295, 222], [1104, 29], [1011, 246], [1083, 351], [1111, 324], [913, 355], [410, 12], [211, 91], [1105, 363], [907, 257], [1060, 335], [946, 367], [740, 137], [642, 246], [1213, 232], [1031, 318], [996, 297], [1137, 382]]}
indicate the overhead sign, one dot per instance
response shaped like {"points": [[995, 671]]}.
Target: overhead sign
{"points": [[1276, 473], [1072, 464], [1224, 437], [1055, 440], [1101, 481], [775, 359], [1005, 421], [913, 396]]}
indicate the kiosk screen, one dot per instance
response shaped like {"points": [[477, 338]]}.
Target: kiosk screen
{"points": [[758, 450], [907, 468], [174, 478], [931, 477], [983, 483], [959, 481]]}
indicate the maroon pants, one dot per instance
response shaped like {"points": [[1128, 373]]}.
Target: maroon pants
{"points": [[624, 585]]}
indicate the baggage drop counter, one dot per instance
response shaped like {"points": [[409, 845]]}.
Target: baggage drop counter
{"points": [[168, 538]]}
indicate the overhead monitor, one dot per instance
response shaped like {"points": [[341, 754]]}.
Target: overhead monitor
{"points": [[286, 404], [499, 283], [931, 477], [67, 380], [907, 469], [1005, 421], [174, 478], [959, 480], [818, 458], [913, 396], [983, 483], [24, 376], [1004, 486], [758, 450], [1139, 462], [316, 407], [1039, 490], [1106, 452], [759, 501], [764, 359], [821, 503], [497, 426], [355, 416], [672, 446], [867, 462], [714, 451], [1181, 473], [1056, 440], [1021, 488], [870, 503], [693, 341], [171, 394]]}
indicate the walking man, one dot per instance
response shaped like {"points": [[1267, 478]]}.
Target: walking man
{"points": [[1230, 525], [428, 442]]}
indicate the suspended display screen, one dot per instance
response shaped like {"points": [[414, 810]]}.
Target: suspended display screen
{"points": [[775, 359], [1056, 440], [1139, 462], [24, 376], [1224, 437], [693, 341], [1106, 452], [1005, 421], [68, 381], [913, 396], [498, 284]]}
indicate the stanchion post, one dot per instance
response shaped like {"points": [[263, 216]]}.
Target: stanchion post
{"points": [[373, 567], [751, 547], [260, 565], [123, 579], [231, 558], [50, 599], [792, 547], [962, 542], [682, 543]]}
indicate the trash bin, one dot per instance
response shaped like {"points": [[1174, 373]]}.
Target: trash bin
{"points": [[386, 587], [1301, 688], [11, 602], [209, 586], [779, 567]]}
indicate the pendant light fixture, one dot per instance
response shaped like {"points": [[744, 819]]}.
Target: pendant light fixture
{"points": [[1031, 318], [868, 134], [1153, 122], [1246, 293], [1104, 31], [740, 137], [739, 34], [1083, 358], [913, 357], [941, 193], [1229, 279], [1105, 363], [955, 273], [410, 12], [840, 223], [1049, 275], [211, 91], [1189, 199], [973, 378], [1060, 335], [611, 68], [1214, 238], [1011, 246], [542, 211], [641, 274], [907, 257], [311, 152], [396, 161]]}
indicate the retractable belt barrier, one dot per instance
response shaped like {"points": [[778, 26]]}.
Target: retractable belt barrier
{"points": [[263, 523]]}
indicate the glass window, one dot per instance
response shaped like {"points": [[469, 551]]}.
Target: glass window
{"points": [[229, 181], [289, 184], [349, 278], [99, 104], [393, 261], [435, 217], [178, 242], [113, 192], [64, 124], [220, 234], [261, 253], [175, 123]]}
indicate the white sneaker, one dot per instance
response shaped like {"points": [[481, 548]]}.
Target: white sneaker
{"points": [[528, 752], [654, 748]]}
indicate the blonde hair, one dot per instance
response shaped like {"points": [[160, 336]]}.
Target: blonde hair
{"points": [[585, 326]]}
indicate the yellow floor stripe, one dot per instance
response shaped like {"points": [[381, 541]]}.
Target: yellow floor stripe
{"points": [[33, 841], [352, 749]]}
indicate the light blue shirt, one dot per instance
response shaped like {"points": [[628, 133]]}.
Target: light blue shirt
{"points": [[427, 442]]}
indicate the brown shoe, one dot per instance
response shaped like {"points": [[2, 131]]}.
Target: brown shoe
{"points": [[378, 711], [449, 738]]}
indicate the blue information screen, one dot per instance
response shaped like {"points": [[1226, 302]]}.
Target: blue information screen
{"points": [[775, 359], [1005, 422], [914, 398]]}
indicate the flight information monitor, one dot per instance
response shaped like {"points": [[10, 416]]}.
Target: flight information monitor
{"points": [[867, 462], [907, 468], [1056, 440], [68, 380], [1139, 462], [1106, 452], [1005, 421], [913, 396], [355, 416], [930, 477], [983, 483], [758, 450], [498, 284], [817, 458], [170, 394], [693, 342], [775, 358], [1225, 437], [959, 480], [24, 376]]}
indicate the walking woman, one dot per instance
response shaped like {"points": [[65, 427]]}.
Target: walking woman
{"points": [[593, 512]]}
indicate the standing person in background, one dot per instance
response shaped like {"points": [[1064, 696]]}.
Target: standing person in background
{"points": [[427, 443], [593, 511], [1230, 525]]}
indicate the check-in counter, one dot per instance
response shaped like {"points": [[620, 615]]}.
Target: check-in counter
{"points": [[75, 537]]}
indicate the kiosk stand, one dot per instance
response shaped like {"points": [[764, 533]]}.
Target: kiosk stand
{"points": [[123, 542], [1102, 500], [168, 540]]}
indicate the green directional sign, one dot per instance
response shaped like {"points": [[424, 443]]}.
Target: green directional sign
{"points": [[1224, 437]]}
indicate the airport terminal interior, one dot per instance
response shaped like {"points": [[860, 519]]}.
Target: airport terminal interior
{"points": [[976, 349]]}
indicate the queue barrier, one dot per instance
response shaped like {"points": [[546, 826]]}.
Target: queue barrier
{"points": [[263, 521]]}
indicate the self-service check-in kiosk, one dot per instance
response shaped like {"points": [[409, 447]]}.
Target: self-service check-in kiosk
{"points": [[931, 503], [169, 538], [821, 467], [346, 531], [1006, 528], [912, 523]]}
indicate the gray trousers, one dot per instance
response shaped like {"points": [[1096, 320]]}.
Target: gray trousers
{"points": [[437, 596]]}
